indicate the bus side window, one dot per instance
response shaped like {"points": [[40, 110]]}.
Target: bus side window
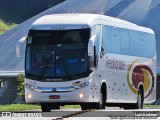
{"points": [[134, 43], [142, 45], [106, 39], [115, 39], [125, 47], [151, 45]]}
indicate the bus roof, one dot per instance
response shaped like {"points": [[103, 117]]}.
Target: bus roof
{"points": [[88, 20]]}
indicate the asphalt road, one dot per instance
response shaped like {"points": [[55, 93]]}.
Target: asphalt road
{"points": [[76, 114]]}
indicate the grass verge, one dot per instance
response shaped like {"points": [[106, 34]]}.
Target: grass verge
{"points": [[151, 106], [18, 107], [70, 107], [21, 107]]}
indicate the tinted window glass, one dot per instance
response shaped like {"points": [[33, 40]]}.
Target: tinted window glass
{"points": [[134, 39], [57, 54], [151, 45], [125, 41], [143, 45], [107, 38], [115, 40]]}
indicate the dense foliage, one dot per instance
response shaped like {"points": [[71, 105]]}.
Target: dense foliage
{"points": [[21, 93], [5, 27]]}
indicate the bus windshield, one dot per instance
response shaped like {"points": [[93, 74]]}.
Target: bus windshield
{"points": [[57, 54]]}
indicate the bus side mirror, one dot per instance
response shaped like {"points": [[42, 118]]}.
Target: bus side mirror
{"points": [[18, 46], [91, 46], [92, 52]]}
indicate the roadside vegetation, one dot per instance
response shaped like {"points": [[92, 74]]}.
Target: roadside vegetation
{"points": [[18, 107], [71, 107], [15, 12], [21, 87], [152, 106], [4, 27], [25, 107]]}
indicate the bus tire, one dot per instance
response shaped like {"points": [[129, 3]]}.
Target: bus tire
{"points": [[102, 102], [140, 99], [45, 107], [138, 105]]}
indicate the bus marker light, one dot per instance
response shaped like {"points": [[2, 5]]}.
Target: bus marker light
{"points": [[54, 97], [76, 83]]}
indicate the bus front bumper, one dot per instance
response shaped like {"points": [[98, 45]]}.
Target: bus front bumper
{"points": [[76, 96]]}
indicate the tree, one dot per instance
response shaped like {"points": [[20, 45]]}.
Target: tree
{"points": [[21, 93]]}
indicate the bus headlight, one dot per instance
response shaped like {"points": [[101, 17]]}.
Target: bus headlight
{"points": [[31, 87], [84, 84], [81, 85], [29, 96], [81, 95]]}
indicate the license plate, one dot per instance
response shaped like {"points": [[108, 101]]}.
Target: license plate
{"points": [[54, 97]]}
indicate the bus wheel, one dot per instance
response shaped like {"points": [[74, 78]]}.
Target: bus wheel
{"points": [[45, 107], [102, 102], [139, 104]]}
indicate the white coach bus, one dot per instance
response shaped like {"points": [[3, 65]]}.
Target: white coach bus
{"points": [[91, 60]]}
